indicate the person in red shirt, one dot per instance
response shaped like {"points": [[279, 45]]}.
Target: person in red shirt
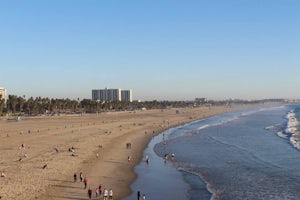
{"points": [[100, 189], [85, 181]]}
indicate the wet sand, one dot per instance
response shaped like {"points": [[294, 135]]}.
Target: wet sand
{"points": [[47, 140]]}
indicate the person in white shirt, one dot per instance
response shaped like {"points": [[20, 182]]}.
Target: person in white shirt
{"points": [[105, 194], [97, 191], [110, 193]]}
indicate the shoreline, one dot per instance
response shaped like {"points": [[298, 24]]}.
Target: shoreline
{"points": [[146, 183], [110, 130], [151, 173]]}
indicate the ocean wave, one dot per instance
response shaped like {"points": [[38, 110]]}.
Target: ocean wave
{"points": [[214, 121], [191, 170], [274, 128], [203, 127]]}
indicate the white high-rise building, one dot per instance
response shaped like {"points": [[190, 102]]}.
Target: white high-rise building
{"points": [[126, 95], [3, 93], [111, 95], [107, 95]]}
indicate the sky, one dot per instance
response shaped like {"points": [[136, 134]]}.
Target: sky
{"points": [[161, 49]]}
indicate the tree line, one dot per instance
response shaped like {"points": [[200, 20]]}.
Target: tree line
{"points": [[17, 105]]}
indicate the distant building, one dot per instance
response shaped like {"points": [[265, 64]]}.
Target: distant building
{"points": [[111, 95], [106, 94], [201, 100], [3, 93], [126, 95]]}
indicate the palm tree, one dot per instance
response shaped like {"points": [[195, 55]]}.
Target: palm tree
{"points": [[20, 104], [32, 106], [12, 103], [2, 104]]}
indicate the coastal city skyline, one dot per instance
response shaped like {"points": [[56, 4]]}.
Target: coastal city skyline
{"points": [[171, 50]]}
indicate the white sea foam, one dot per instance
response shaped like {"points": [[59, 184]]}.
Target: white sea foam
{"points": [[281, 134], [247, 113], [292, 129], [269, 127], [203, 127], [273, 127]]}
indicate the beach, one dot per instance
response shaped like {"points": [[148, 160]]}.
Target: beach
{"points": [[39, 155]]}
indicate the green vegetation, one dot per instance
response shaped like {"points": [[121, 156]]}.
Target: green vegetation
{"points": [[15, 106]]}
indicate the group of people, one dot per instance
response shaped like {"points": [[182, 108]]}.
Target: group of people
{"points": [[166, 156], [99, 191], [107, 194]]}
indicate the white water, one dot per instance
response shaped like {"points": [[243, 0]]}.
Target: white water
{"points": [[292, 129]]}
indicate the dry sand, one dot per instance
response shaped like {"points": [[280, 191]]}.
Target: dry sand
{"points": [[23, 166]]}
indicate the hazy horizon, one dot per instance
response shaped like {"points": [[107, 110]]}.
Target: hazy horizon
{"points": [[170, 50]]}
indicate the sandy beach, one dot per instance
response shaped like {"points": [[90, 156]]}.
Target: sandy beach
{"points": [[39, 162]]}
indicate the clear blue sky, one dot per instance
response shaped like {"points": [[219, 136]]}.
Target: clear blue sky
{"points": [[164, 50]]}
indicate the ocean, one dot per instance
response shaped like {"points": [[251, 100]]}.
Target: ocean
{"points": [[248, 154]]}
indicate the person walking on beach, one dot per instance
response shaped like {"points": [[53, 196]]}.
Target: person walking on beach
{"points": [[81, 176], [90, 193], [100, 189], [75, 177], [85, 181], [129, 159], [105, 194], [110, 194], [97, 192], [147, 159], [138, 195], [144, 197]]}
